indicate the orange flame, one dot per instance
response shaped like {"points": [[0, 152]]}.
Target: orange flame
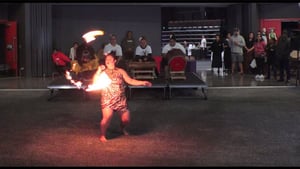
{"points": [[78, 84], [100, 80]]}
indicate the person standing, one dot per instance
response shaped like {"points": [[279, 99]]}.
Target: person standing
{"points": [[217, 49], [283, 51], [203, 47], [237, 43], [113, 98], [128, 45], [264, 35], [271, 55], [227, 54], [260, 55], [72, 54], [249, 52], [272, 34]]}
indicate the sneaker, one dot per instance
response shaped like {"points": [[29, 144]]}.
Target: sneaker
{"points": [[261, 76], [257, 77]]}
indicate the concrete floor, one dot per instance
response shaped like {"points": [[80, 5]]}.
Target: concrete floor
{"points": [[241, 124]]}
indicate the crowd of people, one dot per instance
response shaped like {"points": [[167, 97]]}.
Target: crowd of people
{"points": [[262, 54]]}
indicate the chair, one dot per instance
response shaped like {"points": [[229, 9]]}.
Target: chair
{"points": [[177, 65]]}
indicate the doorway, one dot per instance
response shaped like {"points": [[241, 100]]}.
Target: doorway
{"points": [[8, 49]]}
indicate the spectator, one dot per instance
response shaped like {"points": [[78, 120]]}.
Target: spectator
{"points": [[61, 61], [271, 56], [143, 52], [260, 54], [249, 52], [264, 35], [237, 43], [283, 54], [72, 54], [203, 47], [168, 47], [227, 54], [217, 49], [128, 45], [272, 34], [113, 46]]}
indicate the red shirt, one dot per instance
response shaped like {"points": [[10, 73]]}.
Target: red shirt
{"points": [[259, 48], [60, 59]]}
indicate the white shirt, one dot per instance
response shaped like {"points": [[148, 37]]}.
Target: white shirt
{"points": [[117, 48], [167, 48], [143, 52], [203, 43], [72, 54]]}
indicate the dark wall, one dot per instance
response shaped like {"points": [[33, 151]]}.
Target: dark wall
{"points": [[279, 10], [70, 22], [3, 11]]}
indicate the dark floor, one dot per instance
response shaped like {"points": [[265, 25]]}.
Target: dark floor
{"points": [[243, 123]]}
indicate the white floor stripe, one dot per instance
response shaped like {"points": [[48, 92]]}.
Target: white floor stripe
{"points": [[21, 90], [251, 87]]}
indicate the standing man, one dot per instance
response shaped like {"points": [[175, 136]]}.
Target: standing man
{"points": [[72, 54], [283, 51], [203, 47], [237, 42]]}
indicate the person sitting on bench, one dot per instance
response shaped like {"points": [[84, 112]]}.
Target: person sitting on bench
{"points": [[143, 52]]}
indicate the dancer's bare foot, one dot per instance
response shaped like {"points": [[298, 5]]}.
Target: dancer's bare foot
{"points": [[103, 139]]}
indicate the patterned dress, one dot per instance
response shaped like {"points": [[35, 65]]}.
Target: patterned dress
{"points": [[114, 96]]}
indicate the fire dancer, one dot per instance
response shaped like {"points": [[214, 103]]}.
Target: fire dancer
{"points": [[113, 98]]}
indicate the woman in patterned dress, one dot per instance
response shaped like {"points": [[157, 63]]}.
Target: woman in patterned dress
{"points": [[113, 98]]}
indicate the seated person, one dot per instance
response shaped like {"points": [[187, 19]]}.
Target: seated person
{"points": [[62, 62], [171, 46], [113, 46], [143, 52]]}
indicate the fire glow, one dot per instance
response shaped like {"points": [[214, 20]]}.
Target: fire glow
{"points": [[78, 84], [100, 81], [90, 36]]}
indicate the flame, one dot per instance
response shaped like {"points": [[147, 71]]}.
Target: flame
{"points": [[68, 76], [100, 80], [90, 36]]}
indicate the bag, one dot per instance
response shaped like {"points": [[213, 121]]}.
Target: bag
{"points": [[253, 63]]}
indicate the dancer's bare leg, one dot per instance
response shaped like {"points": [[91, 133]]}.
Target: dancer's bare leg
{"points": [[107, 114], [125, 119]]}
